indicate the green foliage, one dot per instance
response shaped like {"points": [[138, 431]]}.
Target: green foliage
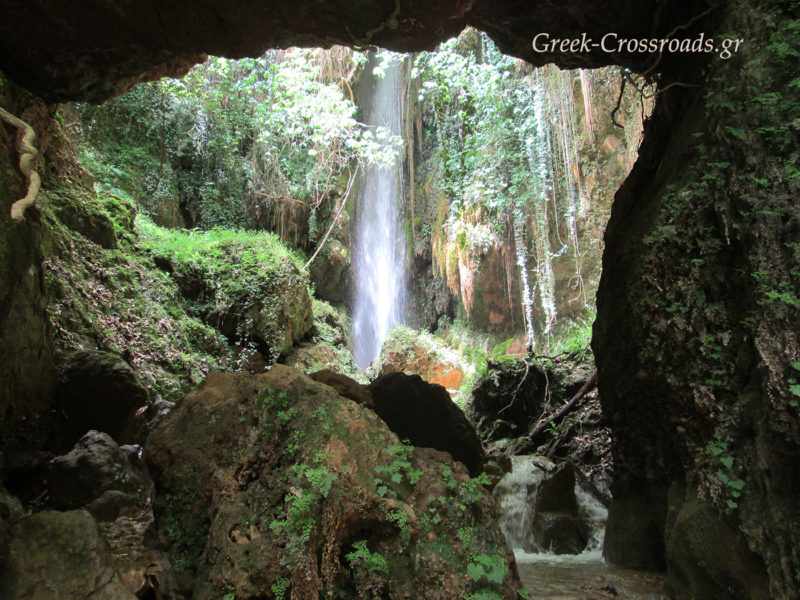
{"points": [[249, 283], [573, 337], [391, 476], [280, 587], [234, 140], [491, 569], [114, 299], [361, 559], [488, 572], [726, 472]]}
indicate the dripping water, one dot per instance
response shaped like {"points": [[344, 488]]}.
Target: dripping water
{"points": [[379, 246]]}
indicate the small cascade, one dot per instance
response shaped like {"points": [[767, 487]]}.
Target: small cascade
{"points": [[562, 576], [379, 247], [516, 497]]}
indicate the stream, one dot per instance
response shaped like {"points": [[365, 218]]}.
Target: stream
{"points": [[552, 576]]}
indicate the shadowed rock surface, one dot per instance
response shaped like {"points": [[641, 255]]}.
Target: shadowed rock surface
{"points": [[104, 48], [60, 555], [424, 414]]}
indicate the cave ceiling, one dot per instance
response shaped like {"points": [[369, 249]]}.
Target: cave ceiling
{"points": [[92, 50]]}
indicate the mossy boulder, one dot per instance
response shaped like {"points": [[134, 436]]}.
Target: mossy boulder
{"points": [[104, 220], [249, 286], [328, 347], [420, 353], [697, 537], [274, 483]]}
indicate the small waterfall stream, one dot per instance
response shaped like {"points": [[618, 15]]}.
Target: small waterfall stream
{"points": [[551, 576], [379, 247]]}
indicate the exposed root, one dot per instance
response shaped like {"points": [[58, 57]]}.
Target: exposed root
{"points": [[27, 155]]}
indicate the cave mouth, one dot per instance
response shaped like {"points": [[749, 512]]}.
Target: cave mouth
{"points": [[509, 173]]}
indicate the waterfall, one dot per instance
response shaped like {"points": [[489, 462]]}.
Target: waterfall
{"points": [[515, 495], [379, 245]]}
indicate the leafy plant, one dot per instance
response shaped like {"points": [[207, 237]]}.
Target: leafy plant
{"points": [[362, 559], [392, 475]]}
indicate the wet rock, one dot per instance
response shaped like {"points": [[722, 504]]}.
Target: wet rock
{"points": [[424, 414], [97, 390], [556, 492], [95, 465], [556, 524], [330, 273], [60, 555], [276, 480], [560, 533]]}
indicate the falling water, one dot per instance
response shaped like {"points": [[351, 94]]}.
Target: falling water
{"points": [[379, 243], [563, 576]]}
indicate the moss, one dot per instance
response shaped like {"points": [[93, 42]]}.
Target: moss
{"points": [[114, 299], [246, 284]]}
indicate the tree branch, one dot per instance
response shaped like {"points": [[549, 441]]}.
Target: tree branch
{"points": [[585, 389]]}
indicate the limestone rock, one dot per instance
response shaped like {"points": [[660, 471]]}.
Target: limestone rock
{"points": [[424, 414], [419, 353], [344, 386], [696, 541], [60, 555], [97, 390], [274, 481], [330, 272], [95, 466]]}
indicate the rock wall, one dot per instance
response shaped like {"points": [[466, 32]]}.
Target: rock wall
{"points": [[27, 376], [695, 336]]}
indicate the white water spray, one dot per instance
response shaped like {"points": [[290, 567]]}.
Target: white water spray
{"points": [[515, 499], [379, 248]]}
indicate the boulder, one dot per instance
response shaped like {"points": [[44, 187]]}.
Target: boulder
{"points": [[60, 555], [556, 524], [311, 358], [699, 536], [425, 414], [95, 465], [344, 386], [419, 353], [273, 485], [97, 390], [330, 272]]}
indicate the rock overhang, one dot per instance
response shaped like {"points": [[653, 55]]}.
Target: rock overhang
{"points": [[96, 49]]}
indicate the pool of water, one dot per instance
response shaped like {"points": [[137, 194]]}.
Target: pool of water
{"points": [[585, 577]]}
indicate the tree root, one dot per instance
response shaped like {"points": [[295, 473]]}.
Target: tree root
{"points": [[27, 155]]}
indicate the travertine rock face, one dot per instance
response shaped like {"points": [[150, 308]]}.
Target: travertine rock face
{"points": [[98, 49]]}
